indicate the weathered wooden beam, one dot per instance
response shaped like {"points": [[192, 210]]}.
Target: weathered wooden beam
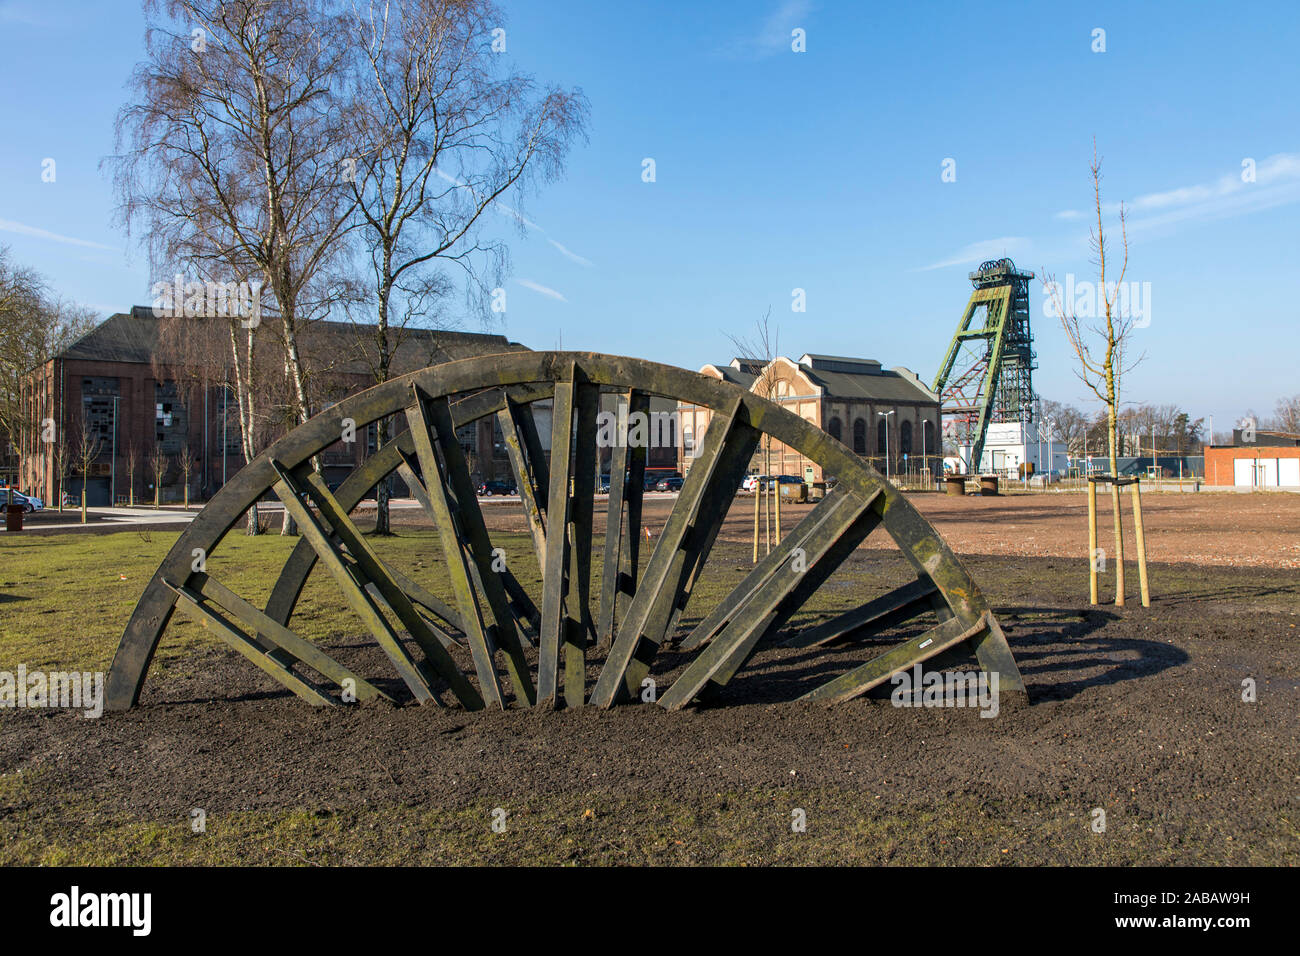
{"points": [[488, 565], [771, 564], [937, 639], [877, 614], [555, 562], [415, 674], [193, 606], [528, 462], [622, 537], [295, 647], [689, 532], [373, 570], [775, 590], [579, 629]]}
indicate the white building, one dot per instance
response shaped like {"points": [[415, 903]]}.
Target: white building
{"points": [[1007, 445]]}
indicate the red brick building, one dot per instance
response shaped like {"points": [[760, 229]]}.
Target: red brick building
{"points": [[1267, 460], [118, 389]]}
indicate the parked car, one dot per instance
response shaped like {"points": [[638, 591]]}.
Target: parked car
{"points": [[669, 484], [490, 488], [28, 502], [751, 482]]}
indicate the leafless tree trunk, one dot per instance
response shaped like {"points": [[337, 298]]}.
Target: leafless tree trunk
{"points": [[132, 454], [230, 163], [85, 450], [1099, 351], [438, 137], [158, 462]]}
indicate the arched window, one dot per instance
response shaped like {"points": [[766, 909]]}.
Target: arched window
{"points": [[834, 429], [860, 436], [882, 435], [905, 439], [928, 439]]}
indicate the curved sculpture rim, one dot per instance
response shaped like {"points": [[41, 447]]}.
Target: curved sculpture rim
{"points": [[493, 617]]}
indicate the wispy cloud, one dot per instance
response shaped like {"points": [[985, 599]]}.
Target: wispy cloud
{"points": [[1013, 246], [773, 35], [1277, 183], [8, 225], [541, 289], [570, 254], [512, 213]]}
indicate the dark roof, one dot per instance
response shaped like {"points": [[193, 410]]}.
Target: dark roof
{"points": [[135, 337], [881, 385], [844, 377], [1265, 437], [841, 363]]}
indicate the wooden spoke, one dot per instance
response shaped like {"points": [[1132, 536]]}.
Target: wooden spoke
{"points": [[528, 462], [622, 537], [861, 679], [369, 569], [292, 647], [579, 628], [450, 493], [432, 603], [687, 536], [194, 607], [566, 569], [773, 591], [416, 675], [874, 616], [837, 511]]}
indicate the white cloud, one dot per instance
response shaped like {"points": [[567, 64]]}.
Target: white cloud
{"points": [[8, 225], [541, 289], [570, 254], [1068, 214], [512, 213], [975, 252], [1277, 183], [773, 35]]}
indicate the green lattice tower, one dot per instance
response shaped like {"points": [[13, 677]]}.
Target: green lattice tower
{"points": [[986, 375]]}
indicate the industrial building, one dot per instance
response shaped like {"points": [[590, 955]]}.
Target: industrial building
{"points": [[887, 416], [132, 386], [1009, 445], [1255, 459]]}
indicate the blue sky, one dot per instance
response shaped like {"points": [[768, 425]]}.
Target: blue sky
{"points": [[818, 170]]}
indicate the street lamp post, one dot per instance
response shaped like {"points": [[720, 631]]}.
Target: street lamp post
{"points": [[1050, 459], [885, 416]]}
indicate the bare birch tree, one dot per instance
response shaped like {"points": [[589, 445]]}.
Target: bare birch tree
{"points": [[228, 162], [441, 133], [1100, 347]]}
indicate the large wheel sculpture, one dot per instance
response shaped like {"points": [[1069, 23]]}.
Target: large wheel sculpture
{"points": [[494, 618]]}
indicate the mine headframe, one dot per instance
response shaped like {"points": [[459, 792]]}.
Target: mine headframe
{"points": [[986, 375]]}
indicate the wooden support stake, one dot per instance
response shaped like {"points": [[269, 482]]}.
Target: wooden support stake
{"points": [[1092, 541], [1141, 546]]}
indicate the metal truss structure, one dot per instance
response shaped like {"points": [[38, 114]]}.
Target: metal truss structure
{"points": [[986, 375], [495, 644]]}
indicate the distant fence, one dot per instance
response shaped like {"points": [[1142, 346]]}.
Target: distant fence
{"points": [[1171, 466]]}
